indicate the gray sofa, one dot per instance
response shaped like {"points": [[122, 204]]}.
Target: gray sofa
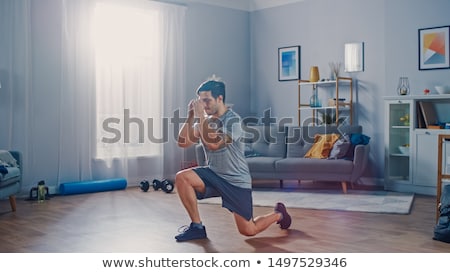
{"points": [[277, 153], [10, 176]]}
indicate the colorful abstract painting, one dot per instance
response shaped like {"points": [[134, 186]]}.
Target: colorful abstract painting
{"points": [[434, 48]]}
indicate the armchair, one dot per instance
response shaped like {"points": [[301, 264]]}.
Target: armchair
{"points": [[10, 175]]}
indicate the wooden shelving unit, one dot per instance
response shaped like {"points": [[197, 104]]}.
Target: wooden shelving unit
{"points": [[340, 82], [443, 138]]}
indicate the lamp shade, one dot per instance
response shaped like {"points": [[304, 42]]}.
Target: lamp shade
{"points": [[354, 57], [314, 74]]}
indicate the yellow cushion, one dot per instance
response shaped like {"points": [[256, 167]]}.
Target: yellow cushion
{"points": [[322, 146]]}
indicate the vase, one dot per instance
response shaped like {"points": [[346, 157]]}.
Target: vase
{"points": [[314, 74], [332, 76], [403, 86], [314, 100]]}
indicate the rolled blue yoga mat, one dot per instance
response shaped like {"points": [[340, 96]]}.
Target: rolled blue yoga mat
{"points": [[92, 186]]}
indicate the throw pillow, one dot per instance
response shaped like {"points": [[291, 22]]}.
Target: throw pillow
{"points": [[3, 169], [7, 159], [340, 147], [323, 143], [356, 139]]}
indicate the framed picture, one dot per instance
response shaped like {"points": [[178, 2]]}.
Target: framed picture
{"points": [[434, 48], [289, 63]]}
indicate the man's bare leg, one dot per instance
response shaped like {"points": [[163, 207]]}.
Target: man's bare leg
{"points": [[187, 182], [255, 226], [260, 223]]}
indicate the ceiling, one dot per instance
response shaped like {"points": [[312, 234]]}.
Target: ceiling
{"points": [[247, 5], [263, 4]]}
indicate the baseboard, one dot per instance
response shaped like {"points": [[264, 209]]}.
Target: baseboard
{"points": [[371, 181]]}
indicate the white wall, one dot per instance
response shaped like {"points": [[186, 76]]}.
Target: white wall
{"points": [[401, 42], [218, 43], [389, 30]]}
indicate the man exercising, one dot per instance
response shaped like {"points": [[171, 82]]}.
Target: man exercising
{"points": [[219, 130]]}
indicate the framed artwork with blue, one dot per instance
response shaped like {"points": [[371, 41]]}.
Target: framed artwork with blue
{"points": [[289, 63], [434, 48]]}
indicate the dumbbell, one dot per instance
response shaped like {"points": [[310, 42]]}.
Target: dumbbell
{"points": [[165, 185], [144, 185]]}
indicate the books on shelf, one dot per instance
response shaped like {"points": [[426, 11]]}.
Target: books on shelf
{"points": [[427, 116], [420, 120]]}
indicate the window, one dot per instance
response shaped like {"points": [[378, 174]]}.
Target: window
{"points": [[128, 81]]}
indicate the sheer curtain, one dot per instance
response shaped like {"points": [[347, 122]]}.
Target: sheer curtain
{"points": [[16, 78], [119, 86], [76, 102]]}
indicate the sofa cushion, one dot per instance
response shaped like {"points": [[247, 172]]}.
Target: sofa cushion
{"points": [[8, 178], [300, 139], [10, 168], [356, 139], [298, 143], [323, 143], [314, 165], [262, 163], [340, 147], [7, 159], [261, 140]]}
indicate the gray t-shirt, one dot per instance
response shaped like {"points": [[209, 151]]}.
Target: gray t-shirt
{"points": [[229, 161]]}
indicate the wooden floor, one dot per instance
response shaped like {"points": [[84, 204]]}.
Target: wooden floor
{"points": [[135, 221]]}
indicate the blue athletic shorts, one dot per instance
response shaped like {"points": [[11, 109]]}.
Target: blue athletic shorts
{"points": [[235, 199]]}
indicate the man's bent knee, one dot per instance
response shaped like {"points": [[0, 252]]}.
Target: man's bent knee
{"points": [[189, 178], [247, 231], [245, 227], [187, 174]]}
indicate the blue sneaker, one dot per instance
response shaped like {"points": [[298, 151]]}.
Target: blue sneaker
{"points": [[191, 233], [286, 220]]}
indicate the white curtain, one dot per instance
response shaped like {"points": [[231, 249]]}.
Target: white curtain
{"points": [[16, 127], [76, 102], [110, 98], [48, 102]]}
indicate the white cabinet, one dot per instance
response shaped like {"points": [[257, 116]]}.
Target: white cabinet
{"points": [[414, 170], [425, 157], [398, 134]]}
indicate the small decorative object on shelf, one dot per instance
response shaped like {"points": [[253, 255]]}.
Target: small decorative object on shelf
{"points": [[334, 102], [334, 70], [404, 149], [403, 86], [314, 74], [443, 89], [314, 101], [405, 120]]}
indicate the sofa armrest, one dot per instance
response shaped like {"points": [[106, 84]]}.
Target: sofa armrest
{"points": [[360, 161], [18, 156]]}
